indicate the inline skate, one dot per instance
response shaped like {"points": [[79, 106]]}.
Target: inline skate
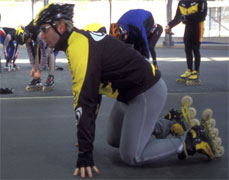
{"points": [[34, 85], [49, 85], [202, 139], [193, 79], [184, 118]]}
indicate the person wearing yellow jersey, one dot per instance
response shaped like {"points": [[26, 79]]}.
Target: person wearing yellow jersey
{"points": [[103, 65], [192, 13]]}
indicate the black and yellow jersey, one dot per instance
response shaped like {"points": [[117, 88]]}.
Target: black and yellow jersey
{"points": [[102, 65], [194, 11], [95, 27], [34, 30]]}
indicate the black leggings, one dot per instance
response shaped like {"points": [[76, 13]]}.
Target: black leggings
{"points": [[152, 40], [192, 45]]}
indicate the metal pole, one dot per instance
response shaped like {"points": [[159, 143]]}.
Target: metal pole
{"points": [[220, 10], [32, 9], [210, 15], [46, 2], [168, 37], [110, 2]]}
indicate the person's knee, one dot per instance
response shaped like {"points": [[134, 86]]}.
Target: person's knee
{"points": [[128, 157], [160, 28]]}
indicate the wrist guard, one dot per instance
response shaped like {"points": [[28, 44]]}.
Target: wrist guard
{"points": [[85, 159]]}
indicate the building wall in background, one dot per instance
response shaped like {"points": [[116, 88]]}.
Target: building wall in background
{"points": [[15, 13]]}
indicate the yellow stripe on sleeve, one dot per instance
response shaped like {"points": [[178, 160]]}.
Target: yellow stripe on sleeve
{"points": [[77, 54]]}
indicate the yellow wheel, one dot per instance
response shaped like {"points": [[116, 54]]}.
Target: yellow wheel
{"points": [[207, 114], [189, 83], [195, 122], [186, 99], [211, 123], [178, 80], [219, 151], [217, 141], [214, 132], [27, 88], [192, 112]]}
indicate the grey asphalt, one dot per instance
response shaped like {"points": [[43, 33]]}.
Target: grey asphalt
{"points": [[38, 132]]}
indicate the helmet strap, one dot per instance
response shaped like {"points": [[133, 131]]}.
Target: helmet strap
{"points": [[55, 29]]}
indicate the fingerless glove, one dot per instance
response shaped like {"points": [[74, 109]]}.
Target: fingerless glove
{"points": [[85, 159]]}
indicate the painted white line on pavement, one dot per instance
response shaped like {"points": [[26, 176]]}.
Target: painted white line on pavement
{"points": [[59, 60], [36, 97], [63, 97]]}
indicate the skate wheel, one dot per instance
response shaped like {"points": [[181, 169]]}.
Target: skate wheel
{"points": [[192, 112], [186, 99], [207, 114], [217, 141], [47, 89], [27, 88], [195, 122], [188, 83], [43, 89], [214, 132], [180, 80], [219, 151], [211, 123]]}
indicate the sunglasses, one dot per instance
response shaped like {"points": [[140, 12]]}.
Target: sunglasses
{"points": [[45, 29]]}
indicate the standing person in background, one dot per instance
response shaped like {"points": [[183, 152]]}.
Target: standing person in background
{"points": [[192, 13], [10, 47], [138, 27]]}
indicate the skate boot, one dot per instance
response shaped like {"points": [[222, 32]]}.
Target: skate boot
{"points": [[193, 79], [198, 141], [183, 119], [184, 77], [8, 67], [34, 85], [49, 84], [15, 67]]}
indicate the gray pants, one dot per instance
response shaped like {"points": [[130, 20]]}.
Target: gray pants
{"points": [[131, 127]]}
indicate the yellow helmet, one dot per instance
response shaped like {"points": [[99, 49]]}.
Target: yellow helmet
{"points": [[22, 35]]}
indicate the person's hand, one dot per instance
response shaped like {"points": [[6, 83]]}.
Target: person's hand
{"points": [[16, 55], [37, 74], [6, 55], [167, 29], [85, 165], [32, 72], [81, 171]]}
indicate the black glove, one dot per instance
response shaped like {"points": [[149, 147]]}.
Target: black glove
{"points": [[85, 159]]}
